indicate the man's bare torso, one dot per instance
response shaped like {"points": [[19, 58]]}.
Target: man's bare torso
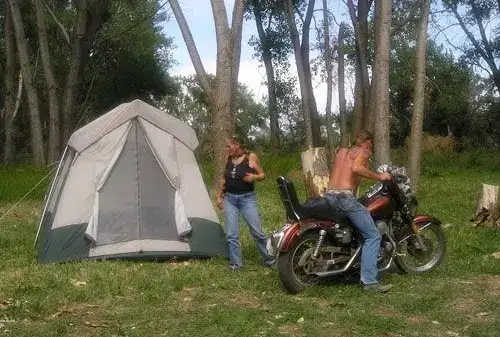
{"points": [[342, 175]]}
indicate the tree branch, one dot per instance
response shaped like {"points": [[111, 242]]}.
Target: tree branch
{"points": [[191, 47], [486, 43]]}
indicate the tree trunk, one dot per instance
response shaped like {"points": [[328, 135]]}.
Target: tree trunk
{"points": [[306, 105], [488, 206], [315, 170], [380, 81], [89, 21], [344, 136], [10, 96], [358, 102], [53, 152], [418, 98], [271, 83], [329, 77], [34, 110], [360, 24], [222, 94], [304, 52]]}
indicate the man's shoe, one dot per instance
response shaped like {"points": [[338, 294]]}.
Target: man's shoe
{"points": [[270, 264], [377, 287], [235, 268]]}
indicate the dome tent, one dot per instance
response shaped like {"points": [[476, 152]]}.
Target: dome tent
{"points": [[128, 186]]}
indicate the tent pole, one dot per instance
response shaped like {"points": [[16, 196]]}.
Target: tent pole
{"points": [[50, 194]]}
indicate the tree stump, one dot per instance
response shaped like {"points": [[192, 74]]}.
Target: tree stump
{"points": [[488, 206], [315, 170]]}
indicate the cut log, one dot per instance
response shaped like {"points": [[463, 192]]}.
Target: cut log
{"points": [[488, 206], [315, 170]]}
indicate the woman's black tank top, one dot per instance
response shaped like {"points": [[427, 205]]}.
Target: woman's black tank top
{"points": [[234, 174]]}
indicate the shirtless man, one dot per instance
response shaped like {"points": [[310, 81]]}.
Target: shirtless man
{"points": [[349, 166]]}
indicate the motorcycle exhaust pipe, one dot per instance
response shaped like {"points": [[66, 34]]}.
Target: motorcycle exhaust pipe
{"points": [[340, 271]]}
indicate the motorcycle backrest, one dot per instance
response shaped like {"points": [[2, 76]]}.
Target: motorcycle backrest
{"points": [[289, 197]]}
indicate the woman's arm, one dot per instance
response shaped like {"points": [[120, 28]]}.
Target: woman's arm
{"points": [[254, 163]]}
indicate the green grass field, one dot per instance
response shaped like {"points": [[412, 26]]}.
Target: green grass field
{"points": [[201, 298]]}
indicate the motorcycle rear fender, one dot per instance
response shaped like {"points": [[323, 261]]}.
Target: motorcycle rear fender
{"points": [[421, 220], [294, 231]]}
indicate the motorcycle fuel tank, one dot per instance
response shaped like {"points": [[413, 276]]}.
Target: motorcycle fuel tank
{"points": [[380, 206]]}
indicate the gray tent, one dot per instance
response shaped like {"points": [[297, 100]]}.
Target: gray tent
{"points": [[128, 186]]}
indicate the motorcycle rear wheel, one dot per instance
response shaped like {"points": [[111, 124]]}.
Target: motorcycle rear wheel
{"points": [[424, 262], [290, 280]]}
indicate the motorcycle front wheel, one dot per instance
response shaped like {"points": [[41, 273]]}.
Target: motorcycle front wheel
{"points": [[295, 265], [413, 259]]}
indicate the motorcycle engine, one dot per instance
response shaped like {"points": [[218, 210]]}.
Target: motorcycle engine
{"points": [[342, 233]]}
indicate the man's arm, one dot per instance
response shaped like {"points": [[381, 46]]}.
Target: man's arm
{"points": [[360, 166]]}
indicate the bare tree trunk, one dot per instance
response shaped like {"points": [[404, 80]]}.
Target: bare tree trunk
{"points": [[344, 136], [418, 97], [329, 77], [304, 51], [380, 82], [360, 24], [271, 82], [306, 105], [54, 128], [10, 69], [358, 102], [34, 110], [223, 93], [89, 21]]}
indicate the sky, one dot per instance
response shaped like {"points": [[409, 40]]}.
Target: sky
{"points": [[198, 14]]}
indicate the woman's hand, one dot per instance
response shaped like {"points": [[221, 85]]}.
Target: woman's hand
{"points": [[250, 177], [220, 202]]}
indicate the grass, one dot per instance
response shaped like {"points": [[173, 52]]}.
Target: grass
{"points": [[200, 298]]}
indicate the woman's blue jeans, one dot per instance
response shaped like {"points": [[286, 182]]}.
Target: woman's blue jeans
{"points": [[360, 217], [247, 205]]}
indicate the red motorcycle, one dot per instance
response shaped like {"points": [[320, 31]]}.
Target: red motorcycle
{"points": [[314, 244]]}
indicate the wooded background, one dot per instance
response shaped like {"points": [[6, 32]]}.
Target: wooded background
{"points": [[64, 63]]}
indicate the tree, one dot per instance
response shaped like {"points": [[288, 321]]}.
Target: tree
{"points": [[53, 151], [90, 18], [379, 94], [271, 42], [362, 86], [222, 93], [328, 55], [37, 144], [342, 103], [478, 14], [10, 95], [301, 53], [418, 97]]}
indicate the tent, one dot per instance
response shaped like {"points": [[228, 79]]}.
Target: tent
{"points": [[128, 186]]}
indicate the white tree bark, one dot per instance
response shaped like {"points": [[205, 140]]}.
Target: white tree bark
{"points": [[37, 146], [379, 95], [418, 97]]}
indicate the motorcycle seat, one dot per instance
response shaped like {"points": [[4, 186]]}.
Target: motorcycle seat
{"points": [[315, 207]]}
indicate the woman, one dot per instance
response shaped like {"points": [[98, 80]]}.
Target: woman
{"points": [[237, 195]]}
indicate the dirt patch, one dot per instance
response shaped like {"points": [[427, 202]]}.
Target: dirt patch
{"points": [[386, 311], [491, 282], [465, 305], [416, 320], [81, 310], [290, 330], [246, 300]]}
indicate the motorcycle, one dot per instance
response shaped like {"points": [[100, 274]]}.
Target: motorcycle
{"points": [[315, 244]]}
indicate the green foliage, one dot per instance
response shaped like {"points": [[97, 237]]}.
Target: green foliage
{"points": [[200, 297], [131, 57]]}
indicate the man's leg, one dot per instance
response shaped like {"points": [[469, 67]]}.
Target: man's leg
{"points": [[232, 217], [362, 220], [250, 212]]}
